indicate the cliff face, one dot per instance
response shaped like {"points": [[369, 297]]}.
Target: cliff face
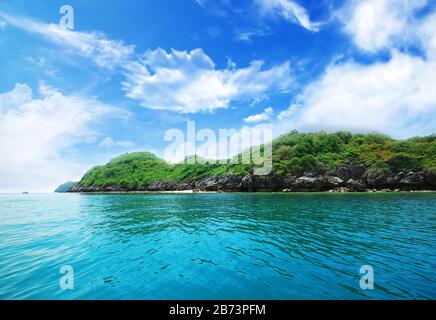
{"points": [[348, 178]]}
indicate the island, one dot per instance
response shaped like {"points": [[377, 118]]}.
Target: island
{"points": [[65, 187], [302, 162]]}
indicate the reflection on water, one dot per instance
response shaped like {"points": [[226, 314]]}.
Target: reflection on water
{"points": [[218, 246]]}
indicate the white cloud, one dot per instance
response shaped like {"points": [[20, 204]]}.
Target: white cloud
{"points": [[185, 82], [425, 31], [41, 64], [395, 97], [264, 116], [108, 142], [201, 2], [35, 132], [104, 52], [189, 82], [380, 24], [288, 10], [248, 35], [17, 97], [45, 90]]}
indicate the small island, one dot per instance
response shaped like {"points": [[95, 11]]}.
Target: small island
{"points": [[65, 187], [302, 162]]}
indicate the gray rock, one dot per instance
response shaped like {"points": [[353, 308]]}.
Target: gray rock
{"points": [[248, 183], [368, 180], [374, 179], [355, 186], [310, 184], [334, 181], [340, 190], [413, 179], [350, 170]]}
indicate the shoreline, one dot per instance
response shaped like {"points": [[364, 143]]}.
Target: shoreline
{"points": [[348, 179], [257, 192]]}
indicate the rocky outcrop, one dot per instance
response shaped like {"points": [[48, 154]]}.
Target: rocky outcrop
{"points": [[226, 182], [349, 178], [410, 180], [307, 183], [350, 170], [355, 185]]}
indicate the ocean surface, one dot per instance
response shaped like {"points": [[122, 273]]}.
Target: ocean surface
{"points": [[217, 246]]}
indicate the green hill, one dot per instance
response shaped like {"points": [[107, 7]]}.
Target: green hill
{"points": [[65, 187], [293, 154]]}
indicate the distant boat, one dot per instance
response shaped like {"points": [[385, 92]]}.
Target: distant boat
{"points": [[25, 192]]}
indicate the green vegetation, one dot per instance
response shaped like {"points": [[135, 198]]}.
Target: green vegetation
{"points": [[293, 153], [65, 187]]}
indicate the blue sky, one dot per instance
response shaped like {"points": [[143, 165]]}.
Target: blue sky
{"points": [[131, 70]]}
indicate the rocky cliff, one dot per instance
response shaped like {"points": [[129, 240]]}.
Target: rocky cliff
{"points": [[351, 177]]}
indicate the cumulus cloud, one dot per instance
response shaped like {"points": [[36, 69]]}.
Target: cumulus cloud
{"points": [[189, 82], [185, 82], [264, 116], [105, 52], [396, 96], [380, 24], [108, 142], [36, 131], [289, 11]]}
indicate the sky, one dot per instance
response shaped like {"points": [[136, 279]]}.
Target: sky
{"points": [[126, 72]]}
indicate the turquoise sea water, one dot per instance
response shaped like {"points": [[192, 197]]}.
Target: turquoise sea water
{"points": [[218, 246]]}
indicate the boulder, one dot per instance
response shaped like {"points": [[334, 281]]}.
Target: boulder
{"points": [[248, 183], [318, 183], [226, 182], [350, 170], [413, 178], [269, 182], [355, 186], [334, 182]]}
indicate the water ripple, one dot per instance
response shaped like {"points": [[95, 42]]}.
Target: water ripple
{"points": [[218, 246]]}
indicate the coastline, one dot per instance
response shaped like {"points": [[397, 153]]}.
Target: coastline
{"points": [[348, 179], [187, 192], [388, 169]]}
